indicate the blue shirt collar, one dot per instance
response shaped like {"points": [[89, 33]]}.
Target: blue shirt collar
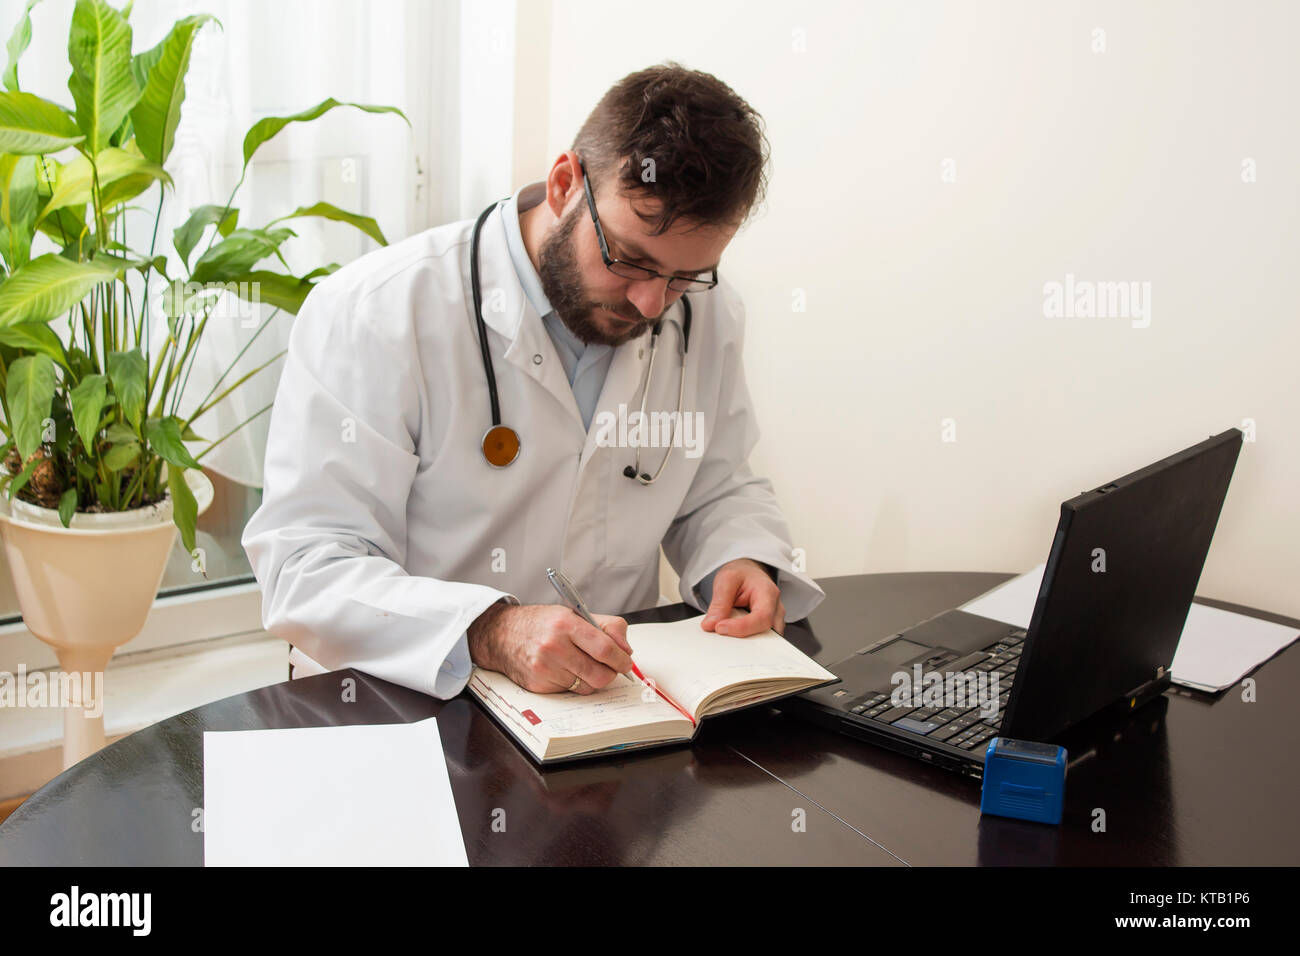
{"points": [[526, 198]]}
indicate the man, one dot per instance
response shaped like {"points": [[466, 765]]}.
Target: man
{"points": [[391, 539]]}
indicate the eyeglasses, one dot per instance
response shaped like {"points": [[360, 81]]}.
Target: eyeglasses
{"points": [[628, 270]]}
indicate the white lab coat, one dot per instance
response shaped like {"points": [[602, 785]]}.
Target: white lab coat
{"points": [[383, 533]]}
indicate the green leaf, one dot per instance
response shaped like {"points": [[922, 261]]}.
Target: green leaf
{"points": [[187, 236], [326, 211], [121, 456], [30, 124], [264, 129], [66, 226], [129, 374], [120, 434], [158, 263], [272, 288], [30, 392], [238, 253], [85, 470], [68, 505], [80, 363], [18, 201], [35, 337], [86, 245], [63, 427], [99, 49], [189, 434], [24, 476], [48, 286], [161, 73], [164, 437], [185, 510], [181, 298], [18, 42], [122, 133], [319, 271], [123, 175], [87, 405]]}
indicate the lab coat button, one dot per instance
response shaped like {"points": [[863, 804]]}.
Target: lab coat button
{"points": [[537, 359]]}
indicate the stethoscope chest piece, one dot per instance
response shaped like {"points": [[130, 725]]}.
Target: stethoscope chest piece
{"points": [[500, 445]]}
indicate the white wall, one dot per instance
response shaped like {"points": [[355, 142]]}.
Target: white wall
{"points": [[925, 298]]}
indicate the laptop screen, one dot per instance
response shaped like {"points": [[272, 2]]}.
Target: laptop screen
{"points": [[1119, 581]]}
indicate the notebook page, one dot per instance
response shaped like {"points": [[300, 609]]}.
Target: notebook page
{"points": [[690, 663], [621, 704]]}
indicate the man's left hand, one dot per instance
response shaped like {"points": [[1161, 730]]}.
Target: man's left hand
{"points": [[743, 583]]}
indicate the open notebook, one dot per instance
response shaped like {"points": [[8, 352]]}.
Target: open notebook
{"points": [[694, 673]]}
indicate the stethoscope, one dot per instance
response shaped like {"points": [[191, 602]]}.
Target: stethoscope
{"points": [[501, 442]]}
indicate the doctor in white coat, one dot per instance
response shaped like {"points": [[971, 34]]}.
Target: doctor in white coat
{"points": [[386, 540]]}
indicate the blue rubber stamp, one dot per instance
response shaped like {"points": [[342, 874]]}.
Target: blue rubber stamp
{"points": [[1023, 779]]}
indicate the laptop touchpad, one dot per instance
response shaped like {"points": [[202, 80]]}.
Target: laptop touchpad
{"points": [[872, 671]]}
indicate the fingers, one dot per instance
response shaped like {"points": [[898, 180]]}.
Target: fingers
{"points": [[726, 584], [574, 663], [761, 616], [765, 613], [552, 652], [616, 628], [607, 647]]}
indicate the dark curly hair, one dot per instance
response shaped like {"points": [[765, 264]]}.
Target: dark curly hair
{"points": [[683, 138]]}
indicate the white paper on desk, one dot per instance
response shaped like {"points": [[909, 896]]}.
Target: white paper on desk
{"points": [[1215, 650], [371, 795], [1012, 601], [1220, 647]]}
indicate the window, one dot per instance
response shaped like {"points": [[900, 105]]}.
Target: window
{"points": [[276, 59]]}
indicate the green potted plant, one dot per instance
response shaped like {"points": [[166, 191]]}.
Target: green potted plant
{"points": [[98, 470]]}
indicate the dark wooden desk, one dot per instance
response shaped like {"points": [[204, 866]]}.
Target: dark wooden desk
{"points": [[1190, 779], [1184, 781]]}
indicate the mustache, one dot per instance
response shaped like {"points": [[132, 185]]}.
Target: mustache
{"points": [[632, 315]]}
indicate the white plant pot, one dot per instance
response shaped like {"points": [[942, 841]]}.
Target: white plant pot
{"points": [[87, 589]]}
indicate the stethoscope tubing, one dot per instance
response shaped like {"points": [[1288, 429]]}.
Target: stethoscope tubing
{"points": [[493, 397], [478, 315]]}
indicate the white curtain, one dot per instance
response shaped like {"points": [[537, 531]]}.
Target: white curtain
{"points": [[447, 64]]}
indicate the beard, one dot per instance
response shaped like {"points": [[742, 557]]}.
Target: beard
{"points": [[562, 283]]}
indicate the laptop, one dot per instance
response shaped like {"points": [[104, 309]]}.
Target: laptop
{"points": [[1119, 581]]}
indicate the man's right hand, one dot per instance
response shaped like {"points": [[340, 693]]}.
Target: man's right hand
{"points": [[543, 647]]}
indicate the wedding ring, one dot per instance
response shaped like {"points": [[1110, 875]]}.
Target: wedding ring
{"points": [[576, 682]]}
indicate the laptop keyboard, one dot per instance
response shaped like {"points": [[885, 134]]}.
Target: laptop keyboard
{"points": [[961, 726]]}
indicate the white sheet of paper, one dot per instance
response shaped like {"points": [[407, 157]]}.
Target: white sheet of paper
{"points": [[1011, 601], [1220, 647], [372, 795], [1215, 650]]}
